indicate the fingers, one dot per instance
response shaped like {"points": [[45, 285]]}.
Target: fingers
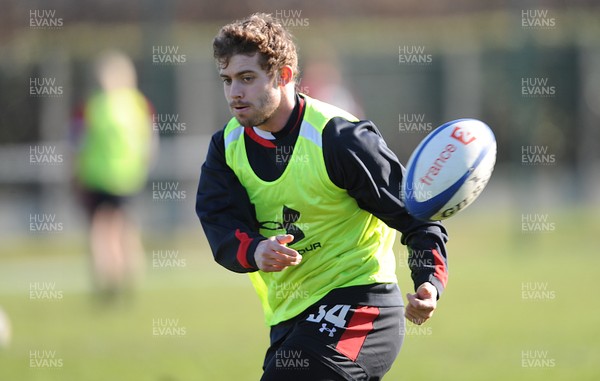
{"points": [[276, 261], [418, 310], [285, 238], [427, 291], [279, 243], [273, 254]]}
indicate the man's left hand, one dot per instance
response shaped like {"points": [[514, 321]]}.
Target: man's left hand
{"points": [[421, 305]]}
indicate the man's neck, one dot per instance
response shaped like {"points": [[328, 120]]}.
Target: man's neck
{"points": [[280, 117]]}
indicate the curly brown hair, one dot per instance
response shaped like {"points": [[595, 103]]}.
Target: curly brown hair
{"points": [[260, 33]]}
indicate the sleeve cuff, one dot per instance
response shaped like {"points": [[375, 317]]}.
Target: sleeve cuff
{"points": [[434, 281], [250, 252]]}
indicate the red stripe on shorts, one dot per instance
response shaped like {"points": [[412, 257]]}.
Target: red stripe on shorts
{"points": [[356, 333]]}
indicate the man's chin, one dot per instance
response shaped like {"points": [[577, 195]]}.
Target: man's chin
{"points": [[242, 121], [246, 122]]}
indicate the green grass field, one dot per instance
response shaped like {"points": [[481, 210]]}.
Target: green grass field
{"points": [[519, 306]]}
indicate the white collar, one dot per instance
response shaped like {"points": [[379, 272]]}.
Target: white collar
{"points": [[264, 134]]}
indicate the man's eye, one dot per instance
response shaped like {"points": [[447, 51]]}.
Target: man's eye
{"points": [[226, 81], [247, 79]]}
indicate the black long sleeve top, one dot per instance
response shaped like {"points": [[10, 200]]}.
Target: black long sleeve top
{"points": [[357, 159]]}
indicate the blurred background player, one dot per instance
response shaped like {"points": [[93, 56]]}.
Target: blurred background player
{"points": [[115, 144], [322, 79]]}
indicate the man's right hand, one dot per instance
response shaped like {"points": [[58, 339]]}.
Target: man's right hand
{"points": [[273, 255]]}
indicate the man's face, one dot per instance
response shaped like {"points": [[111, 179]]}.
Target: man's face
{"points": [[252, 95]]}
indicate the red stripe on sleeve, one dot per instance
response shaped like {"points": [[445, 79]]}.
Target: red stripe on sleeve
{"points": [[440, 267], [242, 251], [355, 335]]}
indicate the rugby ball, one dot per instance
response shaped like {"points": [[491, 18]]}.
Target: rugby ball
{"points": [[449, 169]]}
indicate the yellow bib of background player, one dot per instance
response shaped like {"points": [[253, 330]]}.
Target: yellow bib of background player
{"points": [[341, 244], [116, 147]]}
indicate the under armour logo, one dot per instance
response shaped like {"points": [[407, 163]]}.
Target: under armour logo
{"points": [[290, 216], [324, 328]]}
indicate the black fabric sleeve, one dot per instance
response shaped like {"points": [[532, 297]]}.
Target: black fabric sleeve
{"points": [[358, 160], [224, 209]]}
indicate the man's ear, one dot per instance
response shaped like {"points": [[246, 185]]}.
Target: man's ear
{"points": [[286, 75]]}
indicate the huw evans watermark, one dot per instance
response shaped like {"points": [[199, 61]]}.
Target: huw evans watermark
{"points": [[536, 358], [44, 291], [300, 88], [45, 222], [168, 190], [285, 154], [291, 359], [537, 87], [290, 290], [168, 55], [44, 358], [537, 19], [537, 155], [413, 122], [411, 329], [45, 87], [538, 291], [167, 258], [165, 327], [168, 123], [44, 19], [414, 55], [45, 154], [537, 223], [291, 18]]}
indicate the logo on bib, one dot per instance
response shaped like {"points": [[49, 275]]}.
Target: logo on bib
{"points": [[290, 217]]}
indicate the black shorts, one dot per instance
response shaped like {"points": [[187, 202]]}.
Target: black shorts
{"points": [[335, 342], [93, 199]]}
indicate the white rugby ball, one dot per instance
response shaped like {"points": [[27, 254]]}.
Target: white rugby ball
{"points": [[449, 169]]}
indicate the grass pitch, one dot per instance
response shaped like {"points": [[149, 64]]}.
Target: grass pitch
{"points": [[519, 305]]}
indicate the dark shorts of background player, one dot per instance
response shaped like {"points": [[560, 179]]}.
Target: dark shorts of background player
{"points": [[94, 199], [362, 346]]}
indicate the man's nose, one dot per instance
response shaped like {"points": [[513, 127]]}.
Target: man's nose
{"points": [[236, 90]]}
